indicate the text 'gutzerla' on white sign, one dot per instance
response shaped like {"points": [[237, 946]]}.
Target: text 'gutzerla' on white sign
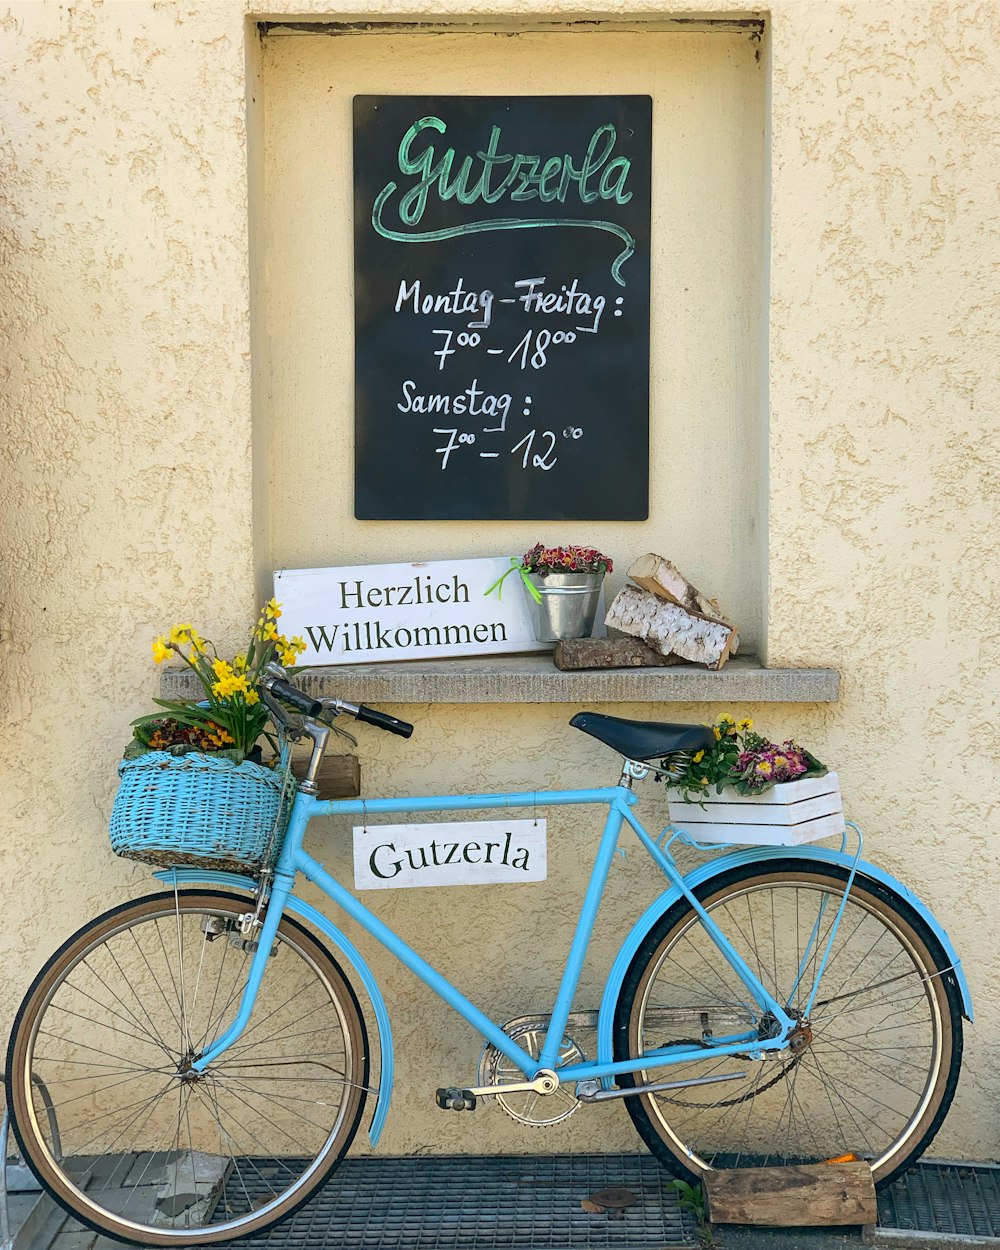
{"points": [[363, 613], [476, 852]]}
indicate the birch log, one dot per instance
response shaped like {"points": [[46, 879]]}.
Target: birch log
{"points": [[664, 579], [667, 627]]}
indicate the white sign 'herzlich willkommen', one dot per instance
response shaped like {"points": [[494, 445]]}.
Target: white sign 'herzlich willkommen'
{"points": [[361, 613], [476, 852]]}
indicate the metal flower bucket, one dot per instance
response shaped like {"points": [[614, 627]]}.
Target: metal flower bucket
{"points": [[568, 605]]}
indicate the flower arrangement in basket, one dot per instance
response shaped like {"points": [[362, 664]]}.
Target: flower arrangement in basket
{"points": [[747, 789], [193, 786]]}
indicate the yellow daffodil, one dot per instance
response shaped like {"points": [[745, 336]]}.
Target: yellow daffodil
{"points": [[161, 651], [240, 663], [270, 632], [272, 609], [222, 669], [252, 698], [298, 644], [180, 634]]}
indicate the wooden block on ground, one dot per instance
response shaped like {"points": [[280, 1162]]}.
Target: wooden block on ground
{"points": [[576, 653], [339, 776], [800, 1196]]}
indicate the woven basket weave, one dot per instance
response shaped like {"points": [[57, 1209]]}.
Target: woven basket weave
{"points": [[197, 810]]}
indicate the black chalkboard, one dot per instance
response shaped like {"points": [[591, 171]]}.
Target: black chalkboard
{"points": [[502, 307]]}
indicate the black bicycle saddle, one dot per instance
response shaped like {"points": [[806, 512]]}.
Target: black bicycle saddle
{"points": [[640, 739]]}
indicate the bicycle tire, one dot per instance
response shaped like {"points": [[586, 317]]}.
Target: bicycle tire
{"points": [[118, 1011], [878, 1059]]}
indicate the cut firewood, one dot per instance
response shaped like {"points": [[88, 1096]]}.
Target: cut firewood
{"points": [[577, 653], [667, 628], [664, 579], [801, 1195]]}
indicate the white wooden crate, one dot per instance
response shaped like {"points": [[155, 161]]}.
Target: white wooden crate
{"points": [[786, 815]]}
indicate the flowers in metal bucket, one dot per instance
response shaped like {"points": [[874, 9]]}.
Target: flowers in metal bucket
{"points": [[745, 761], [230, 719], [572, 559]]}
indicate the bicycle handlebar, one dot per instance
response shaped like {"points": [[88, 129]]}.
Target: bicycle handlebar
{"points": [[303, 702], [278, 688], [381, 720]]}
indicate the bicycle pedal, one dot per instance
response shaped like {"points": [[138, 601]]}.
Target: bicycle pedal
{"points": [[454, 1099]]}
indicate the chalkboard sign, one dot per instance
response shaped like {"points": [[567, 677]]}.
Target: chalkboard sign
{"points": [[502, 307]]}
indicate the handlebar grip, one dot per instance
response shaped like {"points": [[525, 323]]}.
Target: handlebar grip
{"points": [[283, 690], [382, 720]]}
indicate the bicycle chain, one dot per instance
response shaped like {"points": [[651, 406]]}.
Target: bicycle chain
{"points": [[726, 1102]]}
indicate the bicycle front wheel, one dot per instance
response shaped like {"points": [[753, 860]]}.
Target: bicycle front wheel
{"points": [[870, 1071], [110, 1115]]}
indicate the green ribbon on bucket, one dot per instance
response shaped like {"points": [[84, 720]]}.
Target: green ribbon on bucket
{"points": [[515, 565]]}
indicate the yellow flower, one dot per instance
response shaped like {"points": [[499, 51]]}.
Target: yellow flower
{"points": [[717, 731], [180, 634], [726, 719], [287, 657], [197, 642], [240, 663], [161, 651], [764, 767], [229, 684], [745, 724], [270, 632], [222, 669], [298, 644], [704, 781], [696, 759], [272, 609], [252, 698]]}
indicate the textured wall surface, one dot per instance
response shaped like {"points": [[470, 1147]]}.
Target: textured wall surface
{"points": [[127, 493]]}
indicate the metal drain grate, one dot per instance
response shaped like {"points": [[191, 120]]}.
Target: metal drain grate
{"points": [[472, 1203], [956, 1199]]}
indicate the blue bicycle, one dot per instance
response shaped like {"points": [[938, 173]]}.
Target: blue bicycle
{"points": [[191, 1066]]}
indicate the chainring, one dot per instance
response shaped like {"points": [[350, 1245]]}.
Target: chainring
{"points": [[535, 1110]]}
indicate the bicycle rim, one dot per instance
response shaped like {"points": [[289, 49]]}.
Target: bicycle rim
{"points": [[138, 1146], [873, 1066]]}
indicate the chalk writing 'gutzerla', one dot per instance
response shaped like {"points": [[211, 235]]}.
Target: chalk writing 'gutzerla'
{"points": [[528, 176]]}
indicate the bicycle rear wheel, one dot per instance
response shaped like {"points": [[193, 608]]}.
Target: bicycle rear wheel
{"points": [[140, 1147], [872, 1069]]}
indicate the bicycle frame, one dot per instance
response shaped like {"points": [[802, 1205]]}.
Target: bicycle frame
{"points": [[620, 801]]}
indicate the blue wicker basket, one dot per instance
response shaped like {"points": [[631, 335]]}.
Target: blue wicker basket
{"points": [[198, 810]]}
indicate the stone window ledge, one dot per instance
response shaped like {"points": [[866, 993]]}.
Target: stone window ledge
{"points": [[535, 679]]}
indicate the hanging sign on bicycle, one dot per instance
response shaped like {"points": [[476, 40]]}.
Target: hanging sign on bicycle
{"points": [[477, 852]]}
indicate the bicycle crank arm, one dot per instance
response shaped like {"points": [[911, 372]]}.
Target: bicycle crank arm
{"points": [[591, 1091], [453, 1099]]}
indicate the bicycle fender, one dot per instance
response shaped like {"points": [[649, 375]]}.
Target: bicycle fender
{"points": [[343, 945], [758, 854]]}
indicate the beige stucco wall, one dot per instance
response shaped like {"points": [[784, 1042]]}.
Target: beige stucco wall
{"points": [[128, 501]]}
